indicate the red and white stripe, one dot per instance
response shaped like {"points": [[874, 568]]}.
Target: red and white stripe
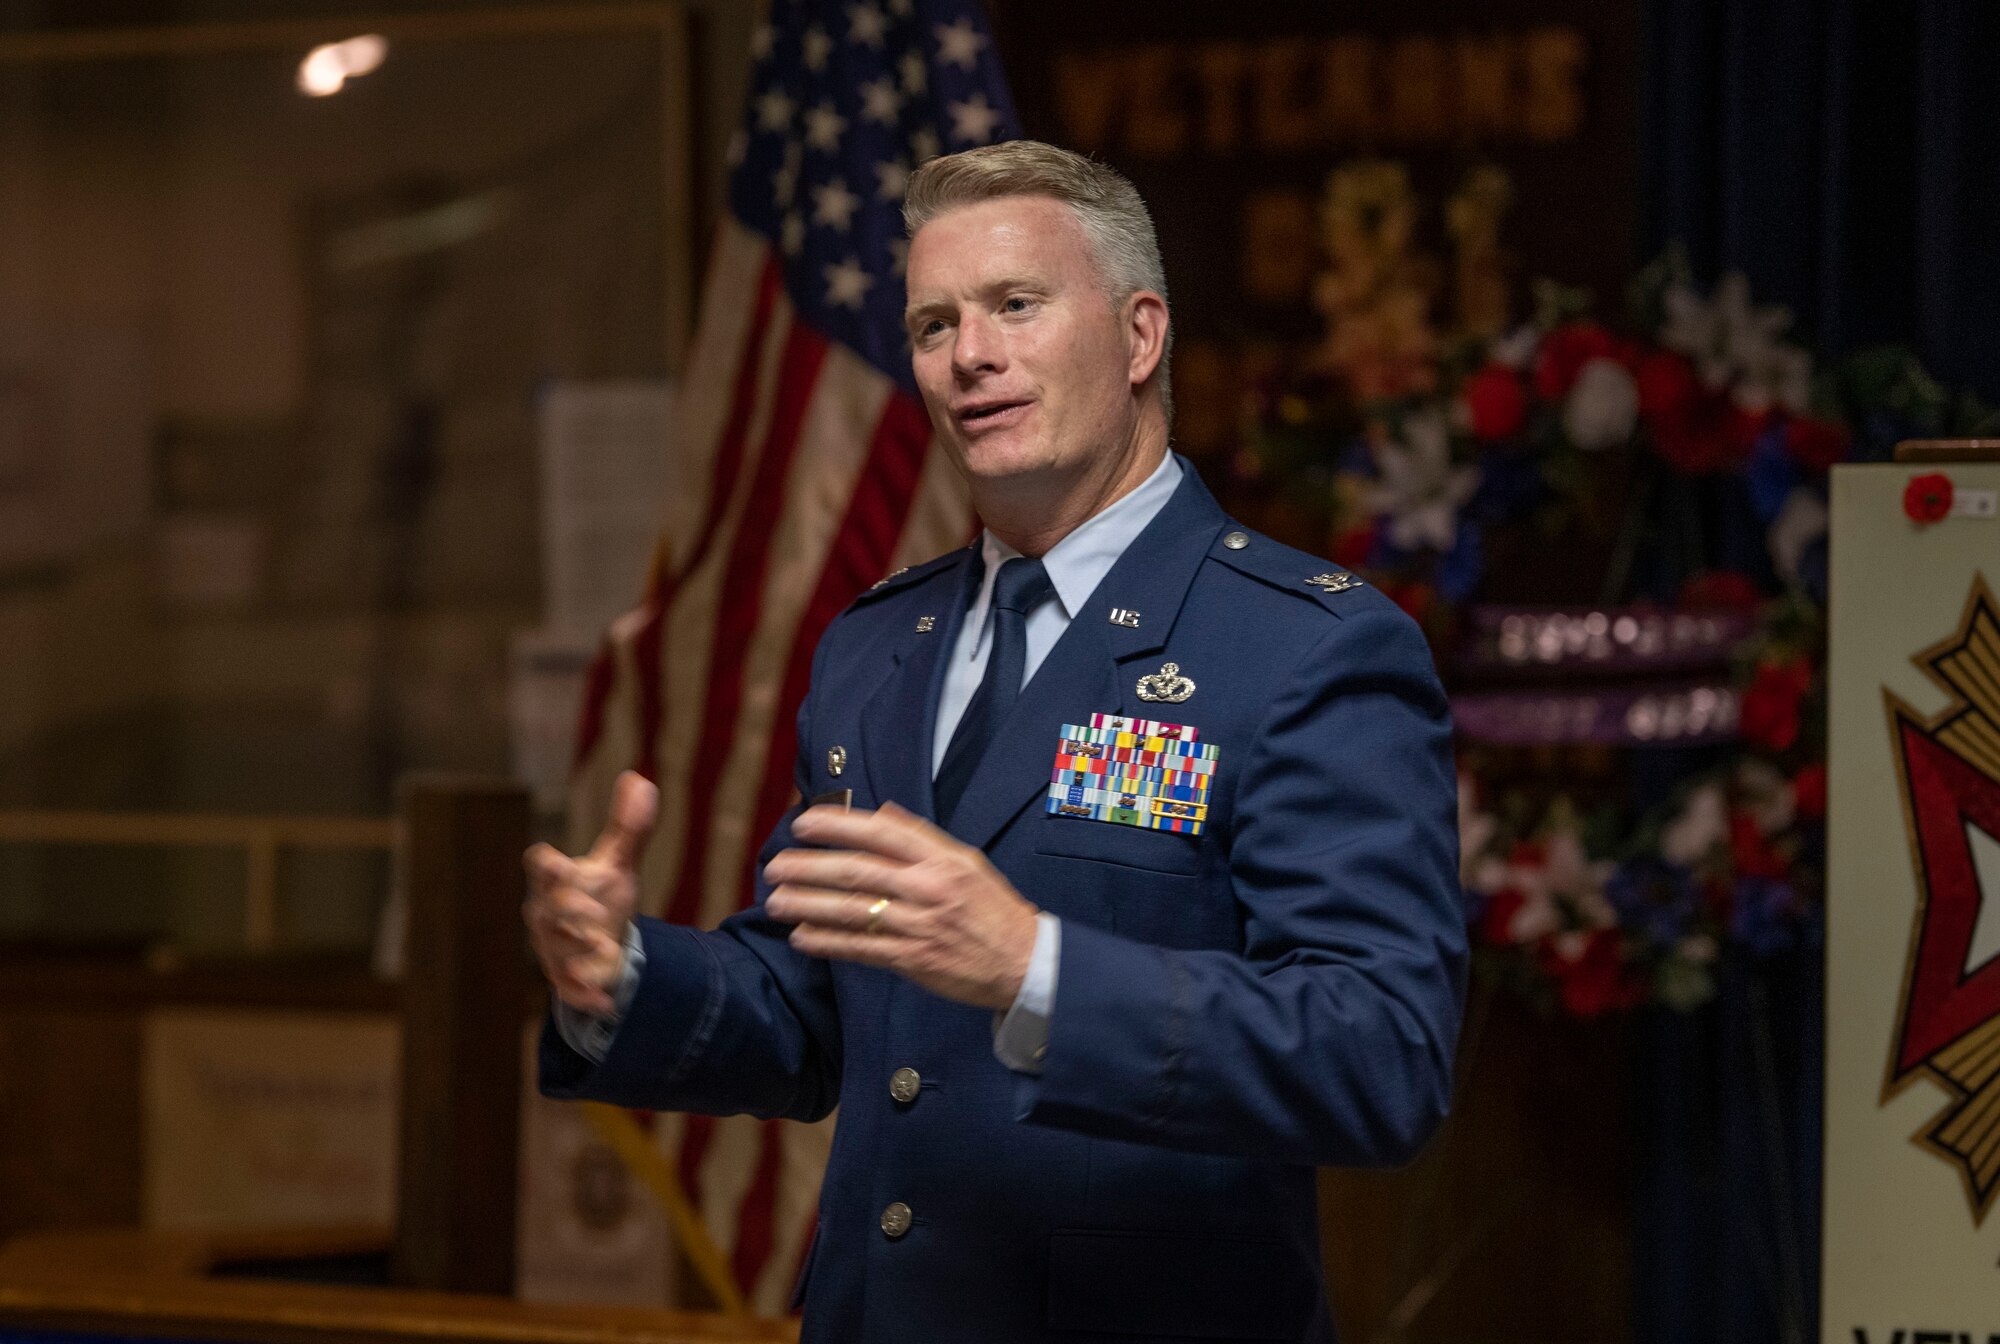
{"points": [[820, 477]]}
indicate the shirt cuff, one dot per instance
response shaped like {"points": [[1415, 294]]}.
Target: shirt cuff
{"points": [[1021, 1036], [589, 1035]]}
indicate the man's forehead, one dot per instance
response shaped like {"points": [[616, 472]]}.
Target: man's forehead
{"points": [[1002, 231]]}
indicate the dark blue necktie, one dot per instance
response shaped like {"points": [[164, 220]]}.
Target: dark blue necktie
{"points": [[1020, 586]]}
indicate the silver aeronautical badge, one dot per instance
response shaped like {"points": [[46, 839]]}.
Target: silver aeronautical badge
{"points": [[1334, 583], [1166, 685]]}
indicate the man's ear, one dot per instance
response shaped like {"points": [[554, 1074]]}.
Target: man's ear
{"points": [[1146, 332]]}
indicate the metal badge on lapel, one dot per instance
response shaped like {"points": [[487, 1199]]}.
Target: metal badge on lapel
{"points": [[1167, 685], [1133, 772], [836, 760], [1334, 583]]}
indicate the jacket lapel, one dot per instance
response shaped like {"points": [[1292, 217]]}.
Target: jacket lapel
{"points": [[899, 719], [1086, 672]]}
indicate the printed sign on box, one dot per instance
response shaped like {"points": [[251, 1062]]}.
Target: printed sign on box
{"points": [[1913, 915]]}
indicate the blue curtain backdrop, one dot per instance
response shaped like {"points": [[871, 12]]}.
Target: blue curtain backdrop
{"points": [[1841, 153]]}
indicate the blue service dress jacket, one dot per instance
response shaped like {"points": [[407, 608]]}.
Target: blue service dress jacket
{"points": [[1232, 1008]]}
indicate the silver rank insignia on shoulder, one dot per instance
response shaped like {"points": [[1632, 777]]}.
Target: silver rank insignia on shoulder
{"points": [[1167, 685], [1334, 583], [926, 624], [886, 577], [1125, 617]]}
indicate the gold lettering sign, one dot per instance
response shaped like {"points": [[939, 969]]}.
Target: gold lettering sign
{"points": [[1342, 92]]}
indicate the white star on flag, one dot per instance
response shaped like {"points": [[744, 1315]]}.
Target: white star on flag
{"points": [[899, 254], [824, 127], [761, 41], [794, 234], [973, 120], [901, 7], [880, 101], [915, 72], [815, 47], [848, 283], [866, 25], [959, 43], [924, 144], [894, 180], [739, 145], [785, 182], [834, 205], [774, 111]]}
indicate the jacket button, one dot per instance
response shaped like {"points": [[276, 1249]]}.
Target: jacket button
{"points": [[903, 1085], [896, 1220], [1236, 541]]}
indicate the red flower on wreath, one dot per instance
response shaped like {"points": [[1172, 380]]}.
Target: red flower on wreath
{"points": [[1815, 444], [1752, 851], [1928, 497], [1591, 976], [1566, 350], [1719, 590], [1667, 384], [1695, 428], [1809, 791], [1352, 547], [1415, 597], [1495, 403], [1770, 713]]}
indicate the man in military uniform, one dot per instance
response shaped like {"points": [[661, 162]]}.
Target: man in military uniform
{"points": [[1146, 902]]}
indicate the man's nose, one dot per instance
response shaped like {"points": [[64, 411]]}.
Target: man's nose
{"points": [[977, 348]]}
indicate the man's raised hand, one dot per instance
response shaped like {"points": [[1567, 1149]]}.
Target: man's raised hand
{"points": [[578, 909]]}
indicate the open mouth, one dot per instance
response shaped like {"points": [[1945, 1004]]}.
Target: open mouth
{"points": [[994, 413]]}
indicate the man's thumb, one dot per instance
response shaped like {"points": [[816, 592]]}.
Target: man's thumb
{"points": [[635, 807]]}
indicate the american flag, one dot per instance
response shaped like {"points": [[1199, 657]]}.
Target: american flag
{"points": [[821, 479]]}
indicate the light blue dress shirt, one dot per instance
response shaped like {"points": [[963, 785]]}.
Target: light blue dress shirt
{"points": [[1076, 565]]}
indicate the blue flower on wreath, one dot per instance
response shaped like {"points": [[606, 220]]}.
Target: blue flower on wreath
{"points": [[1768, 916], [1511, 485], [1771, 473], [1655, 900]]}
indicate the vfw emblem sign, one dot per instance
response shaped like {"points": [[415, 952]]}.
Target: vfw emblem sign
{"points": [[1948, 1027]]}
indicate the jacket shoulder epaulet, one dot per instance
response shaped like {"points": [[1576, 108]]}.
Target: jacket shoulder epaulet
{"points": [[1309, 577], [899, 579]]}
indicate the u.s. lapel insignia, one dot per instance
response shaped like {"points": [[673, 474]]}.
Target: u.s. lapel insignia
{"points": [[1334, 583], [1166, 685], [926, 624], [1126, 617]]}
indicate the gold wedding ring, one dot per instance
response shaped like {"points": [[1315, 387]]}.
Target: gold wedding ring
{"points": [[875, 909]]}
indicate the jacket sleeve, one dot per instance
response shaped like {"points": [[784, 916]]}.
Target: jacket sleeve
{"points": [[724, 1022], [1328, 1039]]}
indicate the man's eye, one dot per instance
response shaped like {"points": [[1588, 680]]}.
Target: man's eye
{"points": [[1017, 304]]}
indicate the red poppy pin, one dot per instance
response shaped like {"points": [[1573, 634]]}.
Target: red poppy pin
{"points": [[1927, 498]]}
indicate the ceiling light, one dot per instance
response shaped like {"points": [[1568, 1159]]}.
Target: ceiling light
{"points": [[326, 70]]}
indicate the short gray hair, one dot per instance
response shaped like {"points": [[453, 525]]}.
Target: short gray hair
{"points": [[1115, 221]]}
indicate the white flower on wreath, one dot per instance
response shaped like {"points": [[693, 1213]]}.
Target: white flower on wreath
{"points": [[1801, 521], [1476, 829], [1517, 348], [1698, 828], [1737, 345], [1767, 795], [1602, 407], [1564, 888], [1418, 488]]}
